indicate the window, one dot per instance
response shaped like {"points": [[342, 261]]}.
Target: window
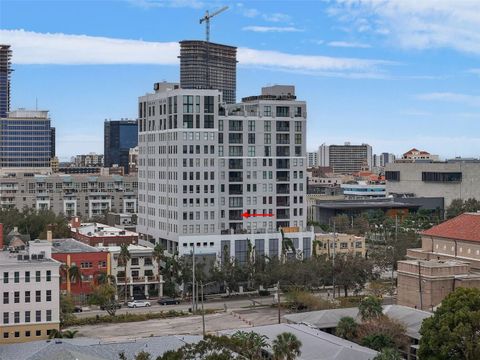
{"points": [[282, 111], [220, 125], [273, 248], [267, 138], [267, 126], [16, 297], [298, 139], [187, 121], [5, 335], [5, 277], [442, 176], [5, 317], [16, 317], [5, 297], [27, 296], [38, 295], [251, 151], [49, 275], [49, 315], [49, 295], [27, 316], [392, 175], [37, 276], [251, 138], [38, 316], [208, 122], [16, 277], [235, 125], [241, 250], [267, 111], [27, 276], [188, 104], [27, 333], [298, 126], [208, 104], [251, 125]]}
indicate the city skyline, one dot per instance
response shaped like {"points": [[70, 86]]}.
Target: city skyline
{"points": [[368, 77]]}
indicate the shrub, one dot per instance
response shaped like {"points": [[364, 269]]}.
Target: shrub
{"points": [[304, 301]]}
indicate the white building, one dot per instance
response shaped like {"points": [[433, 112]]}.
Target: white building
{"points": [[312, 159], [204, 163], [142, 270], [364, 190], [30, 290]]}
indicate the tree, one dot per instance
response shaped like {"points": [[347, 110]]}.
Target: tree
{"points": [[69, 334], [380, 332], [286, 346], [453, 332], [388, 354], [143, 355], [370, 308], [377, 341], [67, 307], [353, 271], [159, 257], [287, 245], [347, 328], [72, 274], [104, 296], [101, 278], [342, 223], [123, 259], [250, 344]]}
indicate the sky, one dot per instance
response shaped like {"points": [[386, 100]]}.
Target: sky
{"points": [[393, 74]]}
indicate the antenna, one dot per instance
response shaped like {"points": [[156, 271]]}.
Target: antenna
{"points": [[206, 19]]}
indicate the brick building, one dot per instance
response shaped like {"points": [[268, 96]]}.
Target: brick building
{"points": [[95, 234], [90, 260]]}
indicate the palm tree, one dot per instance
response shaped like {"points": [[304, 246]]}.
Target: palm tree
{"points": [[159, 256], [72, 274], [123, 259], [250, 344], [286, 347], [346, 328], [287, 244], [69, 334], [102, 278], [370, 307]]}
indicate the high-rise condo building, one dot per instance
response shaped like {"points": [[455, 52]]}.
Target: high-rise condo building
{"points": [[5, 71], [345, 159], [26, 140], [206, 65], [119, 137], [204, 163]]}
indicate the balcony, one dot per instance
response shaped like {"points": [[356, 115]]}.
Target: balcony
{"points": [[283, 201], [283, 176], [283, 188]]}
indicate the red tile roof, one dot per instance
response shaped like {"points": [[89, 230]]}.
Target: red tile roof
{"points": [[462, 227]]}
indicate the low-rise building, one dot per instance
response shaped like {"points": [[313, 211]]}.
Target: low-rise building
{"points": [[344, 244], [29, 281], [415, 155], [91, 261], [142, 271], [95, 234], [88, 160], [364, 190], [122, 221], [71, 195]]}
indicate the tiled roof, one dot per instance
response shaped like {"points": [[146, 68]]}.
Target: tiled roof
{"points": [[462, 227]]}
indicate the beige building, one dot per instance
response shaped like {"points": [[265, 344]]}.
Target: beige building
{"points": [[85, 195], [344, 244], [30, 290], [423, 284]]}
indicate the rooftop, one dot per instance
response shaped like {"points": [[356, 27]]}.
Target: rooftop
{"points": [[131, 248], [463, 227], [316, 344], [410, 317], [71, 246], [102, 230], [22, 258], [364, 204]]}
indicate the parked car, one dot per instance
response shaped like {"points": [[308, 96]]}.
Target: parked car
{"points": [[168, 301], [138, 303], [77, 309], [117, 305]]}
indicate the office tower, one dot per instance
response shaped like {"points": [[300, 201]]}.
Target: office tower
{"points": [[202, 165], [52, 142], [312, 159], [119, 137], [386, 158], [206, 65], [347, 158], [25, 139], [5, 71]]}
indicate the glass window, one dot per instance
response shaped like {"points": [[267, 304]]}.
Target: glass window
{"points": [[267, 110], [38, 296], [27, 276], [267, 126], [251, 151], [49, 294], [5, 277], [49, 315], [27, 316], [188, 104], [5, 297], [16, 297], [282, 111], [208, 104], [27, 296], [251, 125], [16, 277], [38, 315], [6, 316], [37, 276]]}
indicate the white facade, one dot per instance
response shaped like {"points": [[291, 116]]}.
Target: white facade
{"points": [[364, 190], [30, 291], [202, 164], [312, 159], [323, 158]]}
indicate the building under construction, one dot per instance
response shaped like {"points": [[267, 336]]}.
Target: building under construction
{"points": [[206, 65], [5, 71]]}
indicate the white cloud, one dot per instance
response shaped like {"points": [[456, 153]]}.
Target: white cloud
{"points": [[347, 44], [465, 99], [38, 48], [416, 24], [277, 29], [250, 13], [147, 4], [474, 71], [276, 17]]}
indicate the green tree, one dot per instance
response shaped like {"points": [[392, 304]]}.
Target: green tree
{"points": [[353, 272], [453, 332], [377, 341], [143, 355], [388, 354], [370, 308], [67, 307], [250, 344], [123, 259], [380, 332], [159, 257], [286, 346], [69, 334], [287, 245], [342, 223], [104, 296], [347, 328]]}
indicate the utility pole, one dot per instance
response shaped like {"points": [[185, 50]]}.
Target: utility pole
{"points": [[203, 312], [420, 285], [278, 301], [333, 262], [393, 251]]}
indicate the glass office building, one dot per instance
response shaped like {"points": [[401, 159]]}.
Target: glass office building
{"points": [[25, 139], [119, 137]]}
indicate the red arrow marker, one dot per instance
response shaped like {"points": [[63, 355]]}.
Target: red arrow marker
{"points": [[247, 215]]}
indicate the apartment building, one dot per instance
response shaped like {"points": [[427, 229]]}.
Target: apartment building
{"points": [[203, 163], [345, 159], [141, 271], [30, 294], [88, 160], [312, 159], [5, 72], [73, 195]]}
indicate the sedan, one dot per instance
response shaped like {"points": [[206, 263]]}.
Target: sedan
{"points": [[168, 301], [138, 303]]}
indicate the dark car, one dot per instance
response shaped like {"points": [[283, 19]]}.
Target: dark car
{"points": [[77, 309], [168, 301], [117, 305]]}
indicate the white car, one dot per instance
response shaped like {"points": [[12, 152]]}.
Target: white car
{"points": [[138, 303]]}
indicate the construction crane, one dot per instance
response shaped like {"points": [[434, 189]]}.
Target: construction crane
{"points": [[207, 18]]}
